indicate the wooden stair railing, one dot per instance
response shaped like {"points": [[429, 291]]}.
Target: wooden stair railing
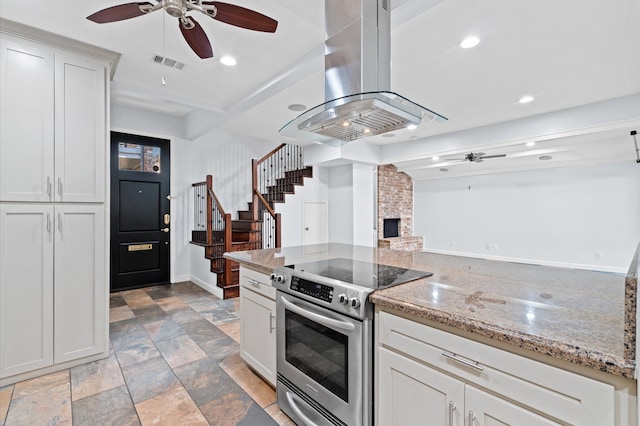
{"points": [[273, 176]]}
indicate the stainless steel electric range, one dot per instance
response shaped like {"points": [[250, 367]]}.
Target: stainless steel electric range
{"points": [[324, 335]]}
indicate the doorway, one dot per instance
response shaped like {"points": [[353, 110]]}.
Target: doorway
{"points": [[140, 220], [315, 229]]}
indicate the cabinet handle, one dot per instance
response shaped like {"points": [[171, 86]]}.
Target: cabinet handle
{"points": [[60, 186], [48, 223], [461, 360], [272, 325], [253, 282], [60, 223], [471, 418], [49, 187], [451, 409]]}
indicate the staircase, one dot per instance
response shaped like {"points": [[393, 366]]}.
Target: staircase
{"points": [[258, 227]]}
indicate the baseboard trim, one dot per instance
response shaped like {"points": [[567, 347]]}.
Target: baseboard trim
{"points": [[211, 288]]}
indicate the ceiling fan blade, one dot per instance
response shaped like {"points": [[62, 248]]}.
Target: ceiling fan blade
{"points": [[484, 157], [195, 37], [241, 17], [120, 12]]}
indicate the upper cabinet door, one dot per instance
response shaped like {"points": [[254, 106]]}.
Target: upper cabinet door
{"points": [[80, 129], [27, 121]]}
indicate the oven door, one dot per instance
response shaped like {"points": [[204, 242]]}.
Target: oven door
{"points": [[322, 353]]}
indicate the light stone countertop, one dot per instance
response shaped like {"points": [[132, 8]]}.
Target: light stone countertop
{"points": [[575, 315]]}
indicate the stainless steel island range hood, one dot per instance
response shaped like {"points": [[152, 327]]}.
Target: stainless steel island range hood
{"points": [[359, 102]]}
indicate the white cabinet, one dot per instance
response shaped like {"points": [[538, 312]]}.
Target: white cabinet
{"points": [[257, 323], [426, 373], [26, 288], [411, 392], [52, 281], [53, 133], [53, 177]]}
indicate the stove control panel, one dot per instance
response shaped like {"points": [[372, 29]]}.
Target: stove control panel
{"points": [[315, 290]]}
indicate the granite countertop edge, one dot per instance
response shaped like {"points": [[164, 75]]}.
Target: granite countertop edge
{"points": [[598, 360], [576, 355]]}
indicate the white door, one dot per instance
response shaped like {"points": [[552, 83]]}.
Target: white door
{"points": [[483, 409], [80, 288], [26, 288], [257, 333], [315, 226], [26, 132], [410, 393]]}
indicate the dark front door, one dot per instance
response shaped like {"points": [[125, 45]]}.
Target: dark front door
{"points": [[140, 220]]}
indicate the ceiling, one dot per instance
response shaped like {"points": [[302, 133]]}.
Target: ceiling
{"points": [[564, 54]]}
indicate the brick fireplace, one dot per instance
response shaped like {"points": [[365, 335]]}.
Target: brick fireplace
{"points": [[395, 207]]}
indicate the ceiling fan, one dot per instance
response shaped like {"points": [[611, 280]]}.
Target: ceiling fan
{"points": [[191, 30], [475, 157]]}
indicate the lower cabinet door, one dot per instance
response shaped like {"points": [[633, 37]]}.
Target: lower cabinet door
{"points": [[26, 288], [80, 282], [410, 393], [257, 333], [483, 409]]}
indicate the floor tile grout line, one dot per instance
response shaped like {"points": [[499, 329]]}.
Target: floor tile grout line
{"points": [[115, 355]]}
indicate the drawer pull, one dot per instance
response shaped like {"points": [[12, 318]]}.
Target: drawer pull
{"points": [[461, 360], [253, 282], [471, 418]]}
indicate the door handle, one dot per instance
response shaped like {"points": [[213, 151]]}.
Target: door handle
{"points": [[165, 230], [167, 219]]}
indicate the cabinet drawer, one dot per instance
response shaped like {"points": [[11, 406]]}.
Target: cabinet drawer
{"points": [[257, 281], [557, 393]]}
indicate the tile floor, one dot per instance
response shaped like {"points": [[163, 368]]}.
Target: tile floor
{"points": [[174, 360]]}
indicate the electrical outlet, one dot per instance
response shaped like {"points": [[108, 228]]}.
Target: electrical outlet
{"points": [[488, 246], [599, 255], [453, 243], [495, 247]]}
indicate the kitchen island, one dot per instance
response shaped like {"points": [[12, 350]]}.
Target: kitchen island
{"points": [[580, 321]]}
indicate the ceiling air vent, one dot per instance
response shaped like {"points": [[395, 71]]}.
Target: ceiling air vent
{"points": [[168, 62]]}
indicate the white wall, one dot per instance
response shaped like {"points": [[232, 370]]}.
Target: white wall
{"points": [[560, 216], [313, 190], [364, 198], [340, 204], [351, 204]]}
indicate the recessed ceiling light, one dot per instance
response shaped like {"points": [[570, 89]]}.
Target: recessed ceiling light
{"points": [[532, 143], [228, 60], [444, 170], [297, 107], [412, 127], [545, 157], [435, 158], [346, 123], [388, 135], [367, 130], [469, 42], [525, 99]]}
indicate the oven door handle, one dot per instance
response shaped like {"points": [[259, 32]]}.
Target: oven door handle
{"points": [[321, 319], [291, 398]]}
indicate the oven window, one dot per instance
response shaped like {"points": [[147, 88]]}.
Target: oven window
{"points": [[319, 352]]}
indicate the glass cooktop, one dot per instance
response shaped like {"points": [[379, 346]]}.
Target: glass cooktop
{"points": [[364, 274]]}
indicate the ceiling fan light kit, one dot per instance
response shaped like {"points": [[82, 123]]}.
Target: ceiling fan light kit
{"points": [[191, 30], [475, 157]]}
